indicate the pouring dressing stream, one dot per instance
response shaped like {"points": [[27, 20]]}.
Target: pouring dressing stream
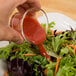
{"points": [[30, 29]]}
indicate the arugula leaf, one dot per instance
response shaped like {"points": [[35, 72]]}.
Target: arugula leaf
{"points": [[64, 51], [54, 46], [67, 66], [49, 72]]}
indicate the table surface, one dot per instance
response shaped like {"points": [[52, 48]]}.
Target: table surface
{"points": [[67, 7]]}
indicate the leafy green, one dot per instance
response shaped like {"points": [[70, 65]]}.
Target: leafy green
{"points": [[67, 66], [64, 51], [54, 46], [50, 72]]}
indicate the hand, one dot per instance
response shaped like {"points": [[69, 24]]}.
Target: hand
{"points": [[6, 9]]}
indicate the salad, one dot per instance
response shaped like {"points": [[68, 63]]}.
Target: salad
{"points": [[25, 59]]}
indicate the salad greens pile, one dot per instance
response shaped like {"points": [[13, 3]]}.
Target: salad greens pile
{"points": [[57, 46]]}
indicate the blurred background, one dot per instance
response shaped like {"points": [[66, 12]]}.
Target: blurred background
{"points": [[67, 7]]}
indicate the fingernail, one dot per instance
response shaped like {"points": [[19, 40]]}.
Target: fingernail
{"points": [[20, 42]]}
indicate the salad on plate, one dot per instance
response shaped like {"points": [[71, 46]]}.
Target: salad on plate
{"points": [[25, 59]]}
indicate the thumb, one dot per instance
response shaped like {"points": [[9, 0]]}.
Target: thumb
{"points": [[9, 34]]}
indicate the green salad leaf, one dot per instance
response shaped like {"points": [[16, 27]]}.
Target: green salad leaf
{"points": [[55, 46]]}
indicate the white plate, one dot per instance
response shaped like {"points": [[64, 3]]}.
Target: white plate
{"points": [[62, 23]]}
